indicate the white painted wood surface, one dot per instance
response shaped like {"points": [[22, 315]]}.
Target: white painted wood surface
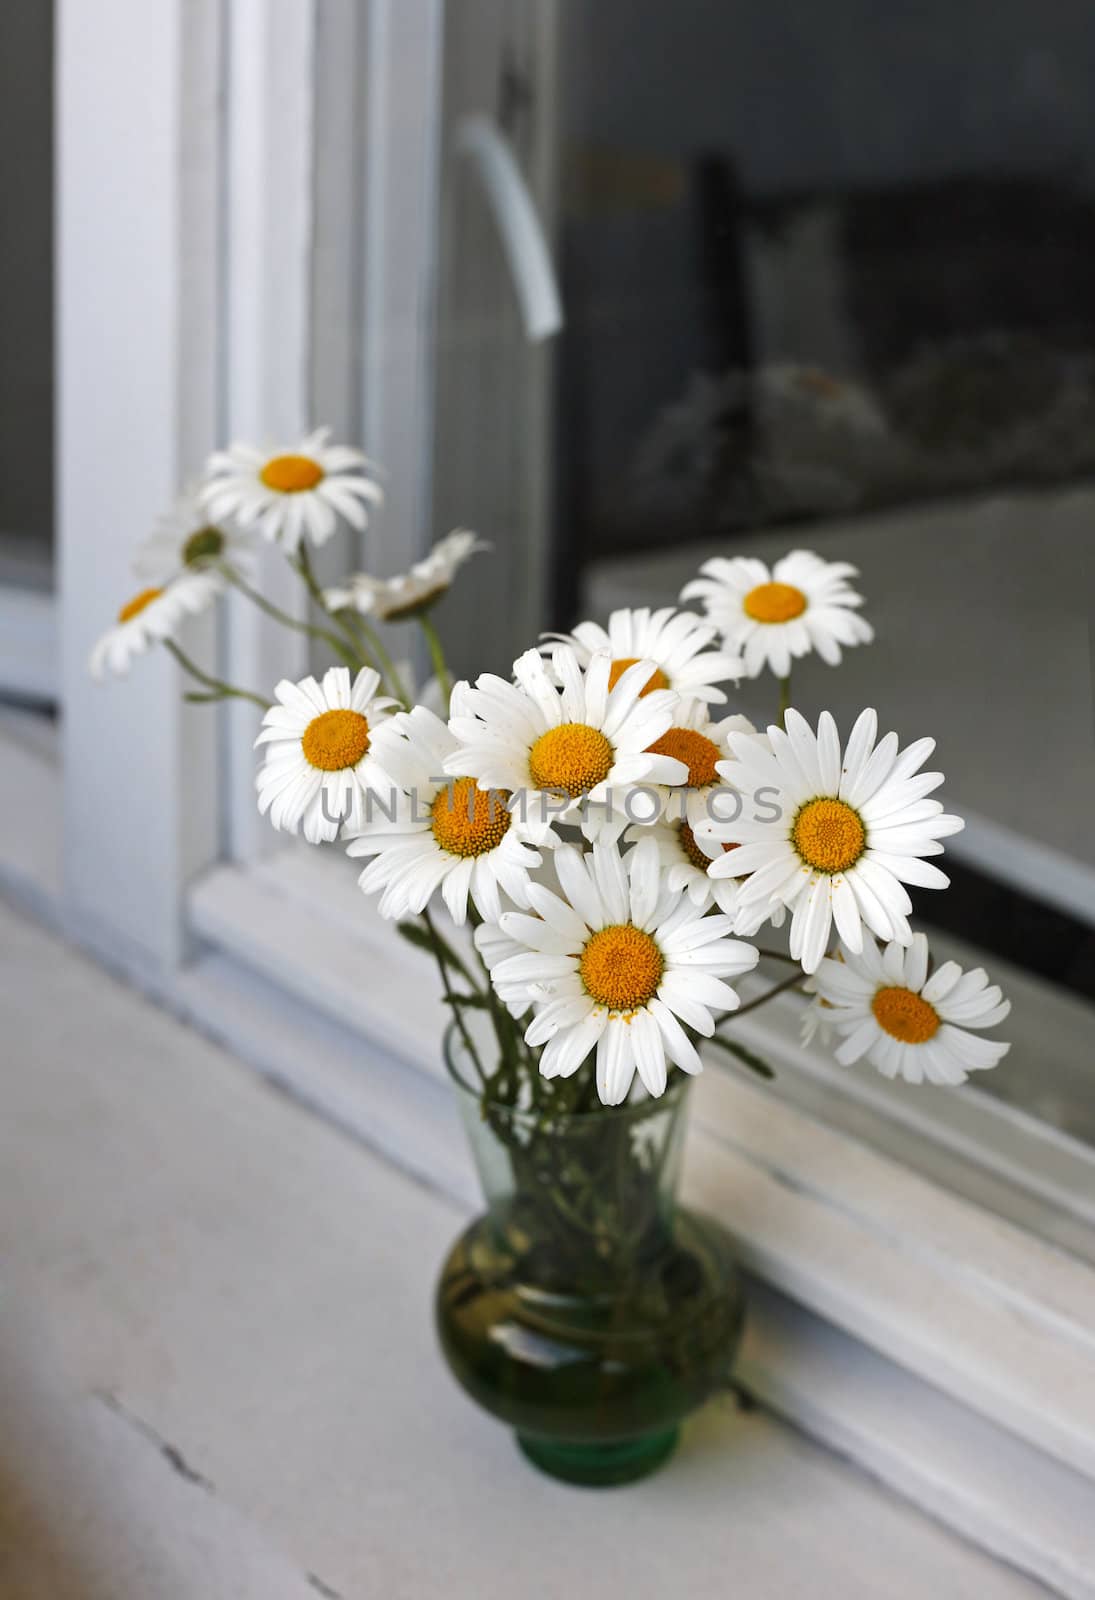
{"points": [[28, 644], [94, 1505], [136, 410], [269, 117], [30, 839], [253, 1294], [973, 1476]]}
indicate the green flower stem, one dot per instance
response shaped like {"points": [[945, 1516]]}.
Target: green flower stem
{"points": [[455, 961], [784, 699], [437, 656], [349, 647], [218, 688], [387, 665], [511, 1046], [271, 610], [441, 944], [763, 999], [777, 955]]}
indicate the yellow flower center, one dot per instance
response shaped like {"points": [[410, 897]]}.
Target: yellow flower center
{"points": [[291, 474], [905, 1015], [134, 607], [774, 602], [656, 680], [621, 967], [335, 740], [691, 848], [570, 759], [204, 545], [828, 835], [467, 820], [696, 750]]}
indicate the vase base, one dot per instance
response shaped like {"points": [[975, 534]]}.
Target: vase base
{"points": [[600, 1465]]}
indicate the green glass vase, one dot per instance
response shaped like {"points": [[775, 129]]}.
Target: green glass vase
{"points": [[585, 1307]]}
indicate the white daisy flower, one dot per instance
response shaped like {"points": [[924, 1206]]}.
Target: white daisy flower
{"points": [[884, 1006], [185, 539], [318, 765], [846, 833], [771, 617], [434, 831], [559, 738], [675, 641], [618, 962], [287, 494], [152, 615], [410, 593]]}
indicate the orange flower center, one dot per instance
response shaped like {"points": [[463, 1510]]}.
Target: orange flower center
{"points": [[134, 607], [621, 967], [774, 602], [656, 680], [335, 740], [291, 474], [570, 759], [467, 820], [905, 1015], [828, 835], [696, 750], [691, 848]]}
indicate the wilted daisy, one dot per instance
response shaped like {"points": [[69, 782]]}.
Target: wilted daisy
{"points": [[409, 593], [558, 738], [317, 765], [772, 617], [152, 615], [675, 641], [184, 538], [884, 1006], [617, 962], [432, 833], [290, 493], [848, 833]]}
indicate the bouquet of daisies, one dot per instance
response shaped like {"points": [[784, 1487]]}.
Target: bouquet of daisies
{"points": [[618, 838]]}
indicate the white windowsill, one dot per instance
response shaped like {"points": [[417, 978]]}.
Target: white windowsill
{"points": [[238, 1391]]}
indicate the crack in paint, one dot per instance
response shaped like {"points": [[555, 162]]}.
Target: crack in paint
{"points": [[170, 1453]]}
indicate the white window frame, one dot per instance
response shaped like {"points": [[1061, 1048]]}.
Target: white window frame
{"points": [[28, 643], [176, 333]]}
